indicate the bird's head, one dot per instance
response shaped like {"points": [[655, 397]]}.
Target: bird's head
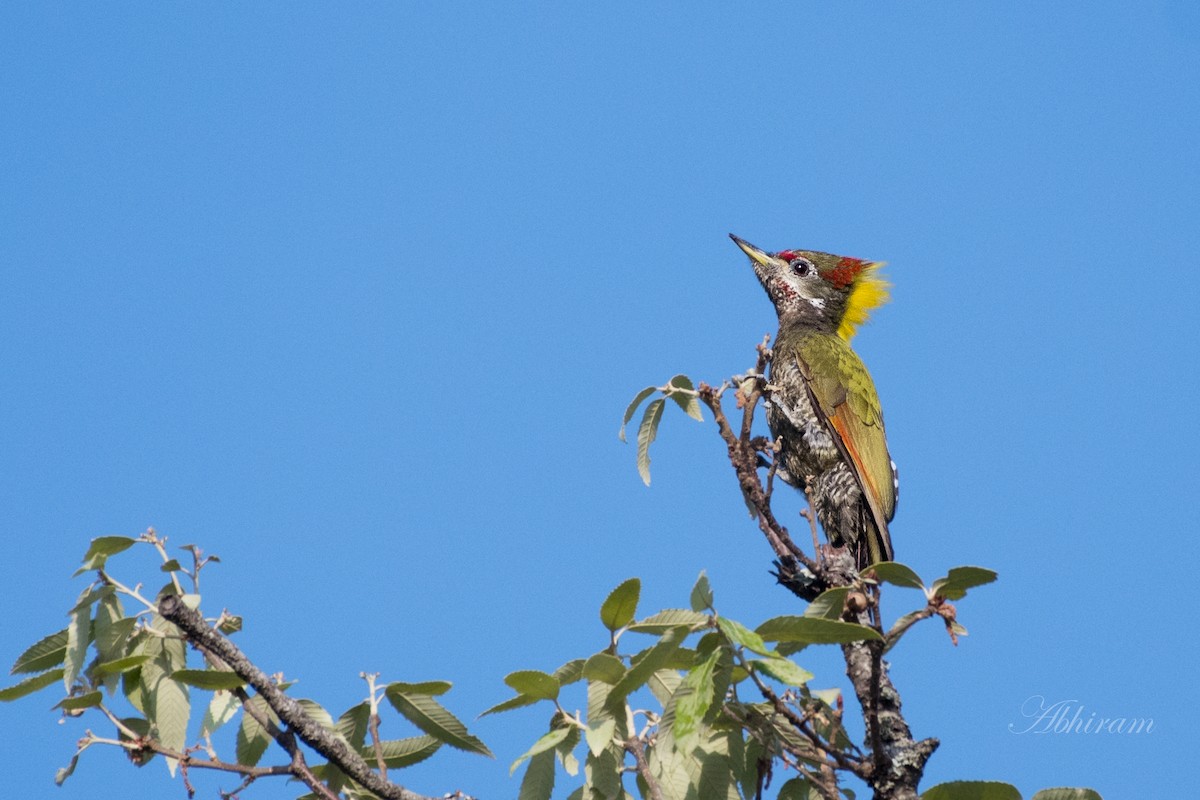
{"points": [[819, 289]]}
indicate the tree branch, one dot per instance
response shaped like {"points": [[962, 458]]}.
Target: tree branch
{"points": [[286, 708]]}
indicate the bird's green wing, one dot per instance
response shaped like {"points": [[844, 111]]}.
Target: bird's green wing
{"points": [[843, 389]]}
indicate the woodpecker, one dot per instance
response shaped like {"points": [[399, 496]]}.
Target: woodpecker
{"points": [[822, 405]]}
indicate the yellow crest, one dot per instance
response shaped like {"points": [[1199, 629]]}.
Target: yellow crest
{"points": [[868, 291]]}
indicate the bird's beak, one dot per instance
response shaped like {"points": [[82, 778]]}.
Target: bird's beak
{"points": [[759, 257]]}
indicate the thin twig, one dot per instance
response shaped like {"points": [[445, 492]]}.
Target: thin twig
{"points": [[634, 745]]}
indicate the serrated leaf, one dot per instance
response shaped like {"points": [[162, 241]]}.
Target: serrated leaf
{"points": [[169, 709], [120, 665], [101, 548], [815, 630], [538, 781], [688, 402], [434, 719], [1064, 793], [79, 634], [570, 672], [534, 683], [602, 774], [252, 738], [798, 789], [566, 751], [91, 595], [896, 574], [220, 710], [702, 594], [80, 701], [663, 684], [742, 636], [620, 606], [47, 652], [633, 407], [208, 679], [829, 604], [647, 431], [229, 624], [692, 701], [648, 662], [600, 736], [520, 701], [783, 670], [955, 585], [669, 618], [972, 790], [111, 629], [30, 685], [425, 687], [604, 667], [400, 753], [547, 742]]}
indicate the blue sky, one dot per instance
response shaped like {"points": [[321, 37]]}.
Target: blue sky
{"points": [[354, 297]]}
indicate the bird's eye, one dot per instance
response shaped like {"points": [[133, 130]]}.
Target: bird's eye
{"points": [[802, 267]]}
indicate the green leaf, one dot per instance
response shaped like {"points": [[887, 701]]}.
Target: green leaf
{"points": [[783, 670], [81, 701], [101, 548], [815, 630], [604, 667], [91, 595], [972, 790], [43, 654], [702, 594], [566, 750], [229, 624], [170, 707], [534, 683], [897, 574], [798, 789], [633, 407], [648, 662], [353, 724], [619, 607], [954, 586], [646, 433], [399, 753], [79, 634], [208, 679], [252, 738], [538, 782], [742, 636], [425, 687], [434, 719], [520, 701], [220, 710], [602, 774], [120, 665], [1067, 794], [688, 402], [30, 685], [547, 742], [830, 603], [663, 621], [692, 702], [600, 736], [570, 672], [111, 629], [170, 566]]}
